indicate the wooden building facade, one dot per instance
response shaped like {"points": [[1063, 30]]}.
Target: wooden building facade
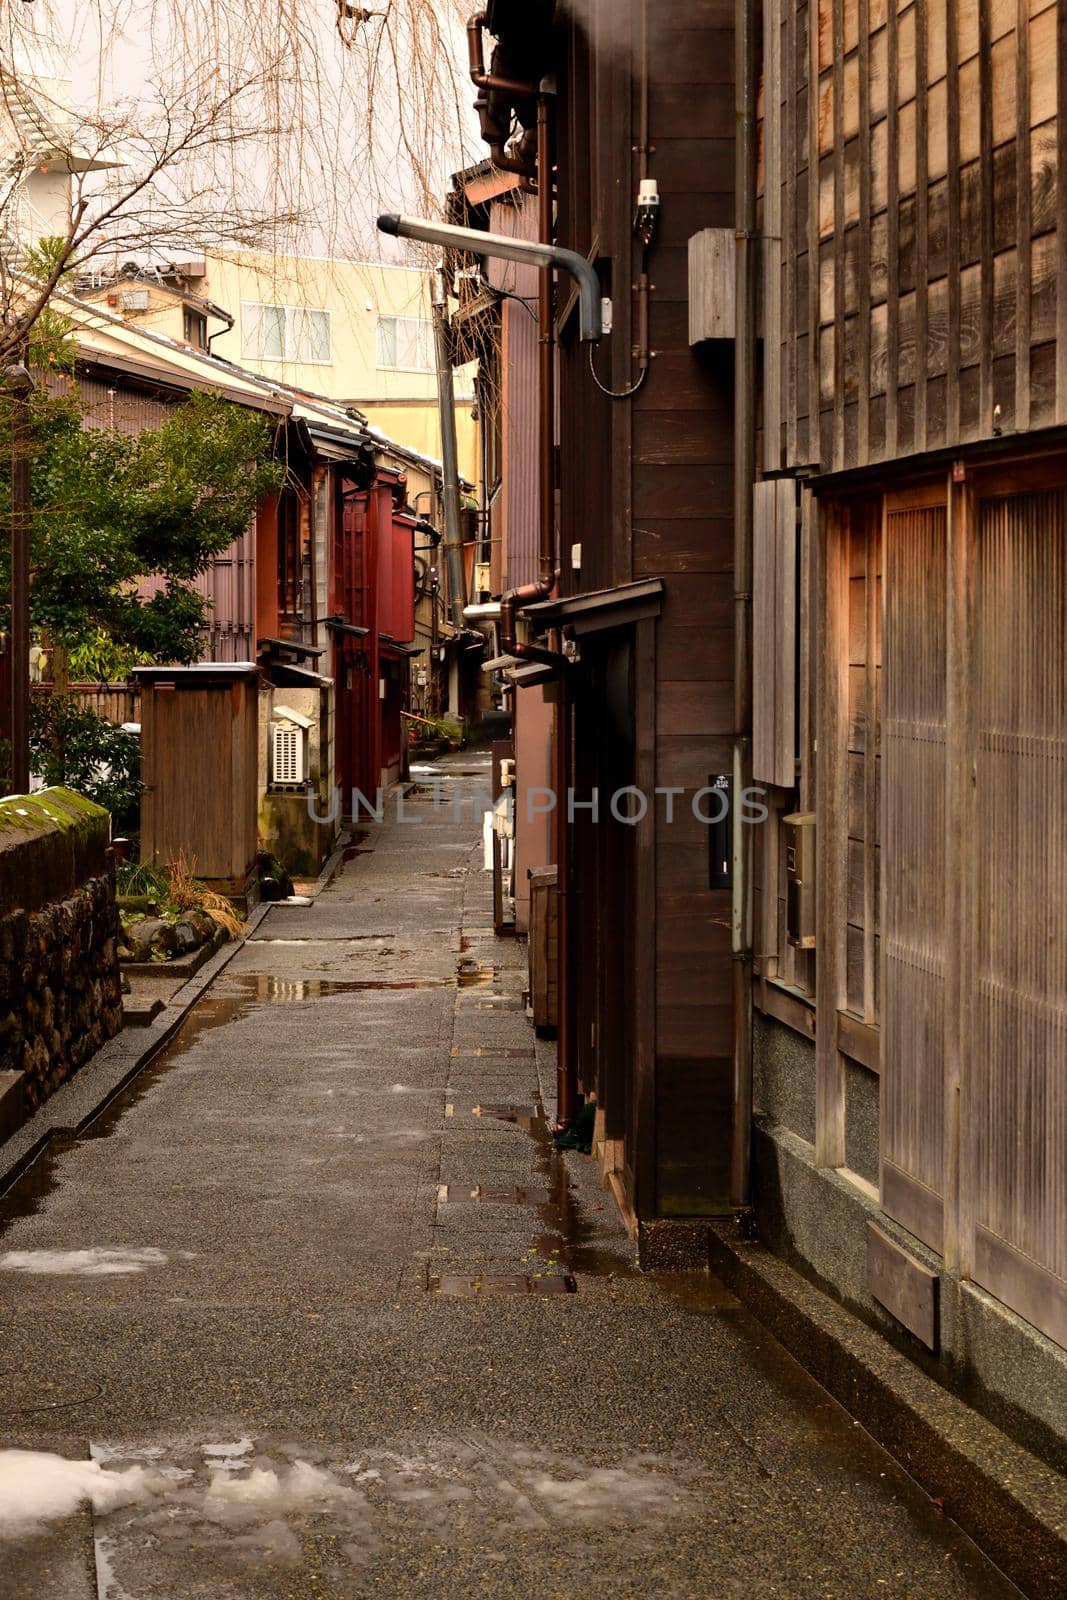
{"points": [[643, 600], [909, 663], [325, 576], [911, 672]]}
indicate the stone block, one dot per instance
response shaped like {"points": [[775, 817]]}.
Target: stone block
{"points": [[12, 1103]]}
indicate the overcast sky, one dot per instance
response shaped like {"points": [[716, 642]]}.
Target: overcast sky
{"points": [[371, 122]]}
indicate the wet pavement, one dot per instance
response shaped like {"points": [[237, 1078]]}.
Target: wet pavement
{"points": [[314, 1309]]}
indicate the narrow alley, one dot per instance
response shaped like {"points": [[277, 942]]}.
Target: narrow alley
{"points": [[314, 1309]]}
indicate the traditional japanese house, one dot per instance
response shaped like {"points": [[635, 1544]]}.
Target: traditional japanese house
{"points": [[320, 591], [809, 535], [911, 678]]}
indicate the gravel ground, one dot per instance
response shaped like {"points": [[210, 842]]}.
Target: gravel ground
{"points": [[230, 1346]]}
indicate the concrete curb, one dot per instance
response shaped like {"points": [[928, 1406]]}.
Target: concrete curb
{"points": [[77, 1103], [1011, 1504]]}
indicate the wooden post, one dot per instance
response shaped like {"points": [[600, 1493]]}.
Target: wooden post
{"points": [[20, 385], [831, 809], [960, 881], [772, 236]]}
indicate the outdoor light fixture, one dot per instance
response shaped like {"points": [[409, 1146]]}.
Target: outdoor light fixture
{"points": [[19, 378], [590, 293], [646, 216]]}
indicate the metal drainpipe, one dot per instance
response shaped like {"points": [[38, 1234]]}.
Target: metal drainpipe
{"points": [[479, 77], [313, 555], [530, 593], [744, 477], [230, 323], [457, 586], [566, 1071]]}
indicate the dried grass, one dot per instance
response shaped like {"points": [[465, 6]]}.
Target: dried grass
{"points": [[189, 894]]}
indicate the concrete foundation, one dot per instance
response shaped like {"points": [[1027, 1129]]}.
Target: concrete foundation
{"points": [[816, 1219]]}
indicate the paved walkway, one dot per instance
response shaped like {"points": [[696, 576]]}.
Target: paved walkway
{"points": [[227, 1313]]}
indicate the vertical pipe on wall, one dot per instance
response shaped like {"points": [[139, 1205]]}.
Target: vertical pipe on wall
{"points": [[744, 476], [446, 398], [566, 1070]]}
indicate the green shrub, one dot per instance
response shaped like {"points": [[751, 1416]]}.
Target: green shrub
{"points": [[72, 746]]}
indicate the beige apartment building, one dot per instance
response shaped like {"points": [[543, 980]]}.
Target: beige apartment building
{"points": [[357, 332]]}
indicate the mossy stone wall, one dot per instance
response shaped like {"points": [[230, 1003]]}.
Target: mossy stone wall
{"points": [[60, 987]]}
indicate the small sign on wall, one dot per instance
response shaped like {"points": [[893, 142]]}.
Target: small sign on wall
{"points": [[718, 812]]}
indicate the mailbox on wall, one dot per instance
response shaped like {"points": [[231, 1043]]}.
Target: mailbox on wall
{"points": [[799, 839]]}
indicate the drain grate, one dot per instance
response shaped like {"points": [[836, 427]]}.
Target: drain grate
{"points": [[450, 1194], [503, 1283], [508, 1113], [494, 1050]]}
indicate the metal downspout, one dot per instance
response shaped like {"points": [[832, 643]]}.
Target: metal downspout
{"points": [[531, 593], [744, 477], [446, 400], [476, 55]]}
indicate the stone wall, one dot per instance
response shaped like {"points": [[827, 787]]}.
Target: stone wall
{"points": [[60, 987]]}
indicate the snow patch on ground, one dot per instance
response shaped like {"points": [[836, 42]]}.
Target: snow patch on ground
{"points": [[99, 1262], [231, 1505], [37, 1488]]}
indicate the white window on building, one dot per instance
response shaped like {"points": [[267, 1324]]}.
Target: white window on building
{"points": [[308, 335], [285, 333], [406, 344]]}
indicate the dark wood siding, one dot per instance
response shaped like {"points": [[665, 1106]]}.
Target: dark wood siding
{"points": [[646, 490]]}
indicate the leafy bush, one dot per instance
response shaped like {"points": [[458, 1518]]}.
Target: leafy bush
{"points": [[102, 659], [71, 745]]}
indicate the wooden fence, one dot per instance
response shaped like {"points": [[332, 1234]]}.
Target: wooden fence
{"points": [[115, 702]]}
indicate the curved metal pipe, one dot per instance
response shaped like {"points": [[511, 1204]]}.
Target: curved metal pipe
{"points": [[474, 242], [479, 76], [531, 593], [500, 158]]}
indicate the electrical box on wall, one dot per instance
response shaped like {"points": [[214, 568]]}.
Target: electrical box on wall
{"points": [[288, 748], [799, 840], [719, 821]]}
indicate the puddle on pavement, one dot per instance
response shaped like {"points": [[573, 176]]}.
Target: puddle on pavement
{"points": [[297, 991], [524, 1116], [480, 1052], [471, 976], [565, 1238], [25, 1196], [223, 1005]]}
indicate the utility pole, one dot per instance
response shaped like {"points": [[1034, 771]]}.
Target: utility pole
{"points": [[20, 387], [457, 586]]}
